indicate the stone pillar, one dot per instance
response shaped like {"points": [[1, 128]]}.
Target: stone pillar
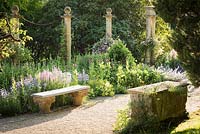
{"points": [[15, 22], [67, 19], [150, 22], [150, 31], [108, 23]]}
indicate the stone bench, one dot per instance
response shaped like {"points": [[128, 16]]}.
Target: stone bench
{"points": [[45, 99], [160, 101]]}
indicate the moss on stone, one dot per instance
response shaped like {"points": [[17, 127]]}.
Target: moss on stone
{"points": [[162, 100]]}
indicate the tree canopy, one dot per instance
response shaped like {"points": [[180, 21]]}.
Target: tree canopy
{"points": [[88, 24], [43, 21], [184, 17]]}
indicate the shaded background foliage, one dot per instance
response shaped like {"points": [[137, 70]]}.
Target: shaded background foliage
{"points": [[184, 16], [88, 25]]}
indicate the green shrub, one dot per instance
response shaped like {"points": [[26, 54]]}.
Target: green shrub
{"points": [[120, 54], [127, 124], [149, 75], [185, 20], [100, 71], [10, 105], [136, 76], [100, 88], [10, 71], [82, 62], [122, 72], [123, 119], [107, 89], [123, 78], [21, 55]]}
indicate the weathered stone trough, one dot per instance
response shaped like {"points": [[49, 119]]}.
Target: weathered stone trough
{"points": [[160, 100]]}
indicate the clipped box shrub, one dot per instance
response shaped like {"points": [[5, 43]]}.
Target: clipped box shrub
{"points": [[120, 54]]}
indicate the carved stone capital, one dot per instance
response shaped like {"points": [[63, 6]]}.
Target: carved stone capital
{"points": [[67, 11], [150, 11], [108, 13], [15, 11]]}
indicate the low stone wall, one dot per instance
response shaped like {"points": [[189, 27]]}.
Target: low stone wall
{"points": [[158, 101]]}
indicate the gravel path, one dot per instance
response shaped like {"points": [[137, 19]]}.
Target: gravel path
{"points": [[95, 117], [193, 100]]}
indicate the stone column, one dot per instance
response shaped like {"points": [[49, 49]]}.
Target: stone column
{"points": [[108, 23], [15, 22], [67, 19], [150, 22], [150, 30]]}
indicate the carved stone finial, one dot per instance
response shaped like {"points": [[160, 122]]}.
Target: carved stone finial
{"points": [[15, 10], [109, 11], [67, 10]]}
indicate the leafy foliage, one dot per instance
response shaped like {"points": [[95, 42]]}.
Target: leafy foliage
{"points": [[17, 99], [120, 54], [136, 76], [83, 62], [123, 119], [184, 19], [44, 23], [100, 88], [123, 73], [9, 105], [12, 46], [10, 71], [9, 44], [88, 25]]}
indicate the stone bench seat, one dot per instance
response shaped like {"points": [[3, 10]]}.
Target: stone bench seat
{"points": [[45, 99]]}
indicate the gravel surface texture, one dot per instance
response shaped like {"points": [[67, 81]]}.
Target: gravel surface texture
{"points": [[95, 117]]}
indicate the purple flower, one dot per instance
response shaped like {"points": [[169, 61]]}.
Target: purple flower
{"points": [[56, 75], [27, 82], [83, 76], [3, 93]]}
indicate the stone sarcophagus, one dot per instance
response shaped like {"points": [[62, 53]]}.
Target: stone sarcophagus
{"points": [[160, 101]]}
